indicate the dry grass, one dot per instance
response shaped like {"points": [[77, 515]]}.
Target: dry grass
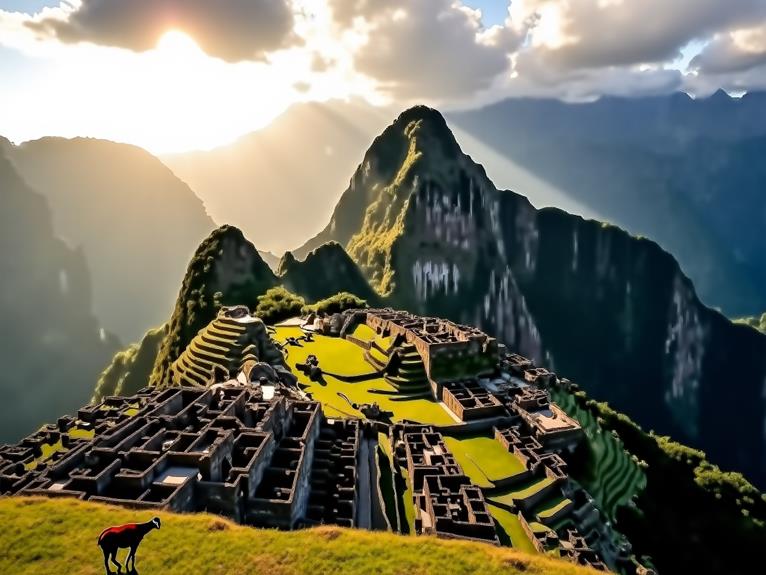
{"points": [[46, 536]]}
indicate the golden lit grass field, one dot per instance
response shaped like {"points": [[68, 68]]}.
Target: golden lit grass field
{"points": [[58, 536]]}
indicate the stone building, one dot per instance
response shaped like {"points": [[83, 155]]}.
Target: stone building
{"points": [[446, 503], [447, 349], [276, 463]]}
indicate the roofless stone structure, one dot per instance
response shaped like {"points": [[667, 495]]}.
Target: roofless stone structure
{"points": [[240, 435]]}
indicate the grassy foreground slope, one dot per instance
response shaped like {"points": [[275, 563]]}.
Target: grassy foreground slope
{"points": [[59, 536]]}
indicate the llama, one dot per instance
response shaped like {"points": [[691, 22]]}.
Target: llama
{"points": [[127, 536]]}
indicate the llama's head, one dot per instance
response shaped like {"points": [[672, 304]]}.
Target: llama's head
{"points": [[156, 522]]}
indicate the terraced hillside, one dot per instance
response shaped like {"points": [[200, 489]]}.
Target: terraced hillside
{"points": [[605, 468], [225, 344]]}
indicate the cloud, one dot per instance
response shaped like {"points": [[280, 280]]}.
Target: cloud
{"points": [[582, 34], [533, 77], [233, 30], [735, 51], [438, 51], [430, 49]]}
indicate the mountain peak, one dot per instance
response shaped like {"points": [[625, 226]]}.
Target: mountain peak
{"points": [[423, 113], [720, 95], [286, 263], [426, 127], [326, 271], [226, 269]]}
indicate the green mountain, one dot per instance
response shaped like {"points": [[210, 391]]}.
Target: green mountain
{"points": [[616, 313], [136, 222], [52, 346], [684, 172], [130, 368], [226, 270], [324, 272]]}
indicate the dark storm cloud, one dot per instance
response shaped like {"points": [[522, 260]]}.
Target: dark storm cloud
{"points": [[232, 30]]}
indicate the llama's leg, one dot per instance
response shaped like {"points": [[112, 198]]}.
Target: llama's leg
{"points": [[106, 561], [114, 560], [132, 556]]}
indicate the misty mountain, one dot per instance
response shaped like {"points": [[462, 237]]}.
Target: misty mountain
{"points": [[686, 173], [278, 184], [136, 222], [433, 234], [271, 259], [53, 348]]}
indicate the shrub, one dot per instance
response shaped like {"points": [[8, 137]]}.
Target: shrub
{"points": [[278, 304], [336, 304]]}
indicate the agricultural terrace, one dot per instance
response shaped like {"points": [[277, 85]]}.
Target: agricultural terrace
{"points": [[610, 475], [509, 529], [520, 492], [366, 333]]}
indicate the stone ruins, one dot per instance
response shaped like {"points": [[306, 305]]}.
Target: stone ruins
{"points": [[238, 436]]}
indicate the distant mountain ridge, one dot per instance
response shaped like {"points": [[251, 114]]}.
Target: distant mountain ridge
{"points": [[684, 172], [136, 222], [53, 347], [616, 313]]}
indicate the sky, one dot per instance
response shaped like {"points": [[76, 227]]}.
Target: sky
{"points": [[175, 75]]}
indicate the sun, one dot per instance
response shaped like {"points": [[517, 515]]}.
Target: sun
{"points": [[175, 44], [171, 89]]}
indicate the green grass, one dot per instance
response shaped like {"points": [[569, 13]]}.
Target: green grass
{"points": [[336, 355], [42, 536], [81, 433], [521, 492], [551, 507], [47, 449], [330, 350], [377, 355], [408, 501], [364, 332], [510, 531], [538, 527], [484, 459]]}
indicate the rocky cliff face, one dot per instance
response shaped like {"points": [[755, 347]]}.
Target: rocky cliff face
{"points": [[226, 270], [614, 312], [52, 346]]}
